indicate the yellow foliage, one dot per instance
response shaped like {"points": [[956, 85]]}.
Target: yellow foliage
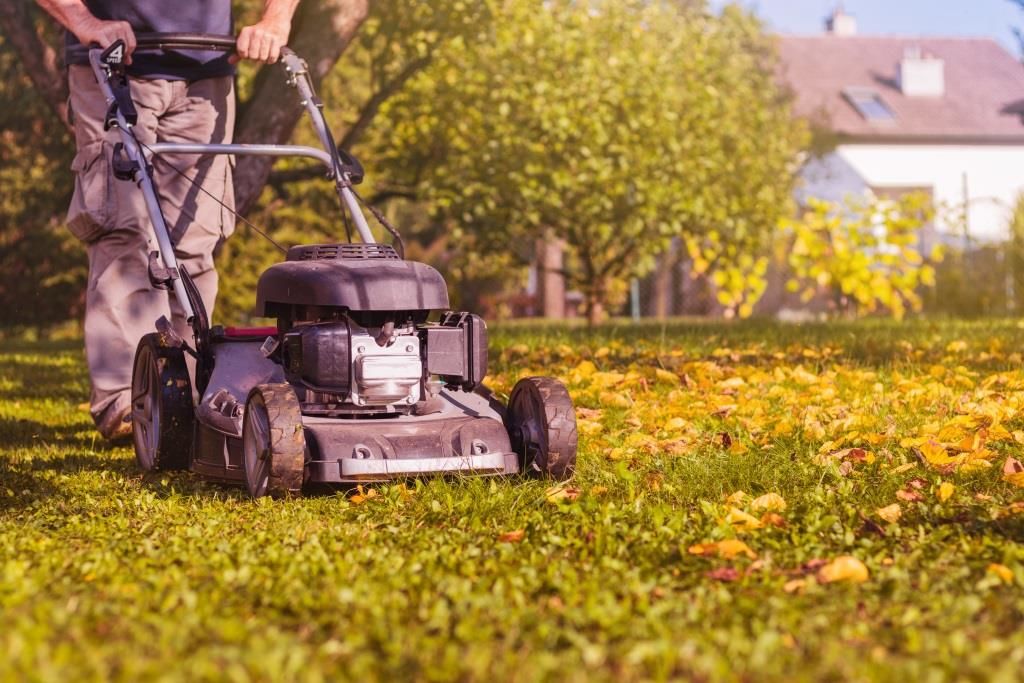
{"points": [[843, 569]]}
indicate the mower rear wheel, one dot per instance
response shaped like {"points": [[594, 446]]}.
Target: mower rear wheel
{"points": [[162, 412], [541, 423], [273, 443]]}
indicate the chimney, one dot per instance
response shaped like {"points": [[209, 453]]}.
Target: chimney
{"points": [[921, 75], [841, 23]]}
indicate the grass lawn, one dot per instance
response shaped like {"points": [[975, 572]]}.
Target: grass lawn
{"points": [[890, 548]]}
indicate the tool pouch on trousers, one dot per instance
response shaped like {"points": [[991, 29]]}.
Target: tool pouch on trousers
{"points": [[94, 203]]}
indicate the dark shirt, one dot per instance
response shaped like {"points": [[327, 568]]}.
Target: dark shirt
{"points": [[169, 16]]}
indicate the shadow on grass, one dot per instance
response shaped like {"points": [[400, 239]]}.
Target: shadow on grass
{"points": [[39, 377]]}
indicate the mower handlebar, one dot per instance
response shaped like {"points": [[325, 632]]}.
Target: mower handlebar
{"points": [[166, 41]]}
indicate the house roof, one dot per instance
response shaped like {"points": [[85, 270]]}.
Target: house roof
{"points": [[984, 87]]}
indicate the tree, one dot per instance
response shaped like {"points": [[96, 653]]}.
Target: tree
{"points": [[611, 126], [862, 253]]}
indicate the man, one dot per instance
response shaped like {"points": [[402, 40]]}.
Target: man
{"points": [[181, 96]]}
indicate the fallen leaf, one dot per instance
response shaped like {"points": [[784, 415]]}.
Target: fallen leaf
{"points": [[561, 493], [945, 491], [794, 585], [512, 536], [666, 376], [890, 513], [726, 549], [845, 568], [1013, 472], [909, 495], [1002, 571], [726, 574], [773, 519], [771, 502], [736, 498], [742, 520]]}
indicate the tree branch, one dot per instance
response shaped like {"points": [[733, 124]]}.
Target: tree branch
{"points": [[368, 112], [373, 105], [38, 57], [321, 33]]}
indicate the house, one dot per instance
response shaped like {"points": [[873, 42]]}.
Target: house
{"points": [[940, 115]]}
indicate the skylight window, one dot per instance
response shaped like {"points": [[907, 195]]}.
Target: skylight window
{"points": [[870, 105]]}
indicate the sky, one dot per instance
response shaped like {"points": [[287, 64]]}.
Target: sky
{"points": [[992, 18]]}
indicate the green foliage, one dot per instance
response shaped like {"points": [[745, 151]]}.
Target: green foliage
{"points": [[42, 273], [862, 252], [106, 574], [616, 126]]}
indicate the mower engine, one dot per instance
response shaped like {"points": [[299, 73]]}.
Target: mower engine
{"points": [[350, 352]]}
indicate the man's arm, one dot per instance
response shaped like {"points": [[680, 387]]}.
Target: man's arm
{"points": [[76, 17], [263, 41]]}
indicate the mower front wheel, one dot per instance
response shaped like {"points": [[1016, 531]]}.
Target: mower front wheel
{"points": [[162, 412], [273, 443], [541, 423]]}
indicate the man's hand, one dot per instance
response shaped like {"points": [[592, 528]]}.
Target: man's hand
{"points": [[262, 42], [105, 34], [75, 17]]}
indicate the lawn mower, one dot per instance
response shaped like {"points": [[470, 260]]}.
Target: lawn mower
{"points": [[367, 375]]}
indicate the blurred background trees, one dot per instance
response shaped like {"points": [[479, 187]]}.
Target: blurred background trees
{"points": [[626, 136]]}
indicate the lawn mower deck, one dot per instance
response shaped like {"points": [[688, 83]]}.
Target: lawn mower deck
{"points": [[367, 375]]}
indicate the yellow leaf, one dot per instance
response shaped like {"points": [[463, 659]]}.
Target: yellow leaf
{"points": [[794, 585], [845, 568], [1002, 571], [945, 491], [738, 448], [561, 494], [769, 501], [890, 513], [615, 399], [741, 520], [736, 498], [666, 376], [935, 453], [727, 549], [675, 424], [1013, 472]]}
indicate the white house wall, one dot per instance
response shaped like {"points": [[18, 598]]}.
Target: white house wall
{"points": [[995, 176]]}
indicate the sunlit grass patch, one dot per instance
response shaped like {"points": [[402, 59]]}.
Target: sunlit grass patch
{"points": [[732, 518]]}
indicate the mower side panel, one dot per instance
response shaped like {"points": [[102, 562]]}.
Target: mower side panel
{"points": [[239, 366]]}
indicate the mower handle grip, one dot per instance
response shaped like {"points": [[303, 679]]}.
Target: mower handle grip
{"points": [[166, 41]]}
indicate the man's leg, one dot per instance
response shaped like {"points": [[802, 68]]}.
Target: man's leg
{"points": [[198, 209], [110, 217]]}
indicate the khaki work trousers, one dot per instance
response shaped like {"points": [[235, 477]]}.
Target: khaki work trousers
{"points": [[109, 216]]}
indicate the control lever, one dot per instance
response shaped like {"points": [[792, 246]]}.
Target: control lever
{"points": [[113, 60]]}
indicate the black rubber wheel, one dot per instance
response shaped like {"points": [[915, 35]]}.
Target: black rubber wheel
{"points": [[162, 413], [273, 443], [541, 423]]}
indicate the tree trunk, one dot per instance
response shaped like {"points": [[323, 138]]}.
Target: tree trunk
{"points": [[321, 32], [550, 279], [38, 57], [595, 310], [662, 290]]}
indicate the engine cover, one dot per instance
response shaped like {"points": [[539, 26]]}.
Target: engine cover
{"points": [[355, 277]]}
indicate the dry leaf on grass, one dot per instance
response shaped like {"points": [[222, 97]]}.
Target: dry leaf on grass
{"points": [[512, 536], [846, 569], [726, 549], [771, 502], [1001, 571], [561, 494], [890, 513]]}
